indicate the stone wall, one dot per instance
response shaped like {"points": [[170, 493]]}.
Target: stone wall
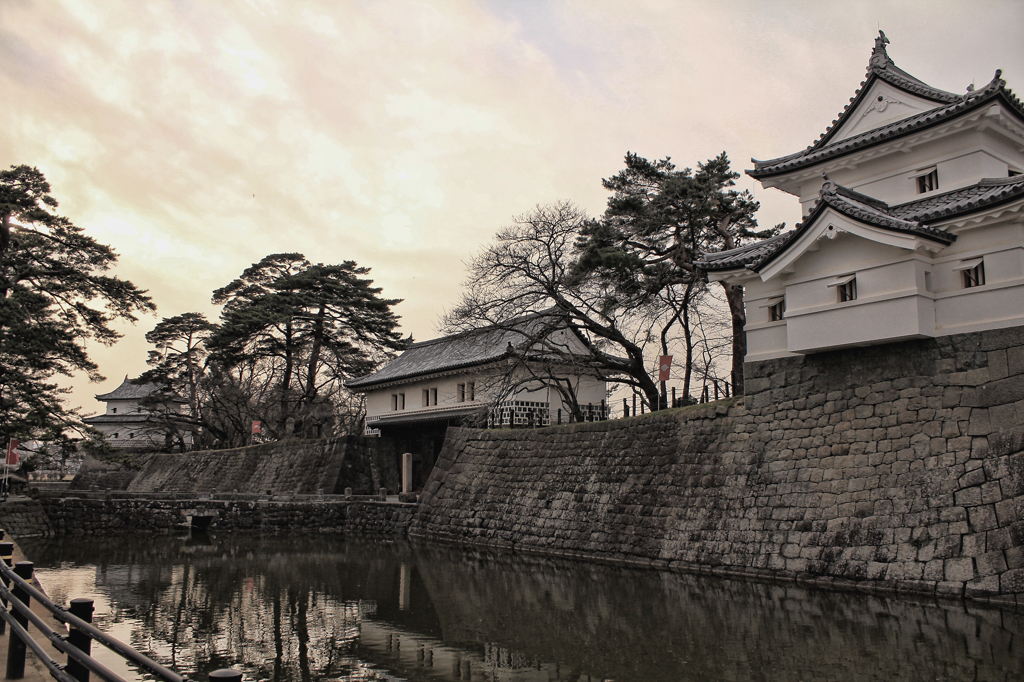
{"points": [[108, 515], [894, 467], [285, 467], [24, 519]]}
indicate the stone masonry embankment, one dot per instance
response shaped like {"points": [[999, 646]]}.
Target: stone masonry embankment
{"points": [[282, 468], [896, 467], [108, 514]]}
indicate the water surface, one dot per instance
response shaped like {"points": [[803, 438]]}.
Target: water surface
{"points": [[301, 608]]}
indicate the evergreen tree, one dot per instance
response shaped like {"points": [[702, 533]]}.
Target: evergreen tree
{"points": [[303, 329], [658, 222], [55, 297]]}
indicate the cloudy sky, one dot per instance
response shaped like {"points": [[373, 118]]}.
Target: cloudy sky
{"points": [[197, 136]]}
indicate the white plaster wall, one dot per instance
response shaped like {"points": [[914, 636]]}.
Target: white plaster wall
{"points": [[378, 401], [961, 158]]}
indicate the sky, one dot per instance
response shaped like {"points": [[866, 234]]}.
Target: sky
{"points": [[197, 136]]}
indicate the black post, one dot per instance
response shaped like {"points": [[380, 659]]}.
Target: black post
{"points": [[625, 408], [7, 555], [226, 674], [559, 415], [674, 397], [82, 608], [634, 404], [590, 412], [726, 389], [663, 398], [15, 647], [601, 417], [716, 389]]}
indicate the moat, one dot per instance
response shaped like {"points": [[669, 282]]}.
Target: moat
{"points": [[304, 608]]}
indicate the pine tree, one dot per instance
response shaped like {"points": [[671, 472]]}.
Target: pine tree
{"points": [[55, 297]]}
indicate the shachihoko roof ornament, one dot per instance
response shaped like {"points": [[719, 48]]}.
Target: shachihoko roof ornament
{"points": [[881, 67]]}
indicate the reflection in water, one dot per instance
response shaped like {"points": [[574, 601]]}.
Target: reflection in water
{"points": [[327, 608]]}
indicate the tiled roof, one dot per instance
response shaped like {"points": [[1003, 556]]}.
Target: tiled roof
{"points": [[882, 68], [909, 218], [129, 390], [132, 417], [744, 255], [988, 192], [467, 349]]}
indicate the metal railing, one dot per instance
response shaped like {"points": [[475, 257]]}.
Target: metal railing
{"points": [[17, 592]]}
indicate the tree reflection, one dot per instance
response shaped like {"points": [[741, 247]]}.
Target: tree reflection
{"points": [[316, 608]]}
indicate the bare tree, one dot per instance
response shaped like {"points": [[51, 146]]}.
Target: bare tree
{"points": [[529, 269]]}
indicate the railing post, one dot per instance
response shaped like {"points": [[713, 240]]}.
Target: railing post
{"points": [[15, 647], [226, 674], [7, 555], [82, 608]]}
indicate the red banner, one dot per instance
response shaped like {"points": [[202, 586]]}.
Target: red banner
{"points": [[664, 367], [12, 452], [256, 427]]}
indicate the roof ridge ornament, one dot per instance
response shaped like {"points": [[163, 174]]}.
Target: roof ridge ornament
{"points": [[879, 57], [829, 187]]}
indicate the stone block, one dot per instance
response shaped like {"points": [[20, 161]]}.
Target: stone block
{"points": [[982, 517], [1014, 557], [959, 570], [972, 477], [1015, 360], [1012, 582], [997, 364], [990, 493], [990, 563], [968, 497], [980, 424], [1003, 417], [973, 545], [986, 587], [1001, 392], [1006, 512]]}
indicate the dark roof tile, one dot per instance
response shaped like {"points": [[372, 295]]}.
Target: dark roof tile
{"points": [[467, 349], [823, 149]]}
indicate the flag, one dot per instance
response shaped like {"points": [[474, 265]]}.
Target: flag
{"points": [[12, 452], [256, 427], [664, 365]]}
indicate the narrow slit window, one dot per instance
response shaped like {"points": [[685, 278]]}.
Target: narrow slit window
{"points": [[394, 402], [113, 410], [426, 397], [471, 391], [462, 393], [972, 272], [401, 401], [777, 311], [928, 181], [433, 395], [846, 288]]}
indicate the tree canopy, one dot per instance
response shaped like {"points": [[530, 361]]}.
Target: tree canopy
{"points": [[657, 223], [55, 296], [290, 333]]}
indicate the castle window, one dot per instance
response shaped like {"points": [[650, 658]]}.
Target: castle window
{"points": [[927, 180], [113, 410], [394, 402], [117, 435], [471, 391], [461, 390], [433, 395], [972, 272], [777, 311], [846, 288], [131, 435], [401, 401], [426, 397]]}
